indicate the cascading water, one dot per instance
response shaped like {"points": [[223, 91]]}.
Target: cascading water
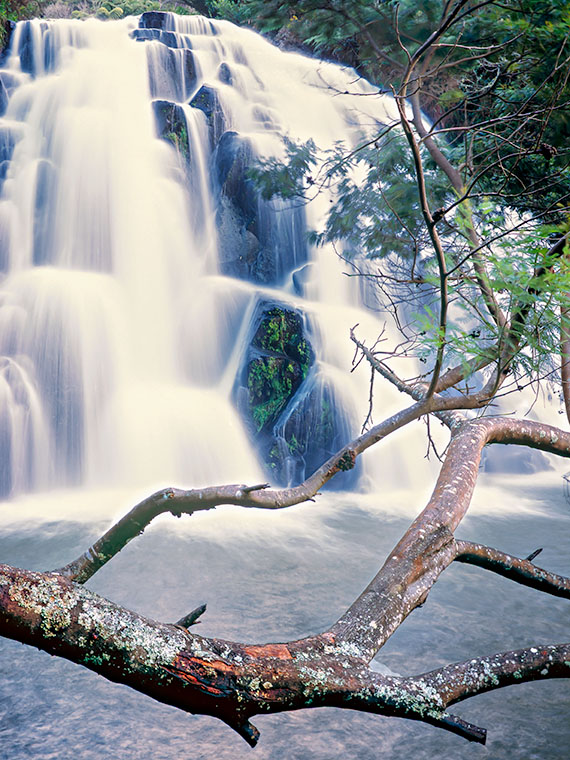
{"points": [[145, 289], [138, 269]]}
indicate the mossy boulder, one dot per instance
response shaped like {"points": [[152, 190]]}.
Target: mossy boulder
{"points": [[277, 362], [281, 332], [271, 383]]}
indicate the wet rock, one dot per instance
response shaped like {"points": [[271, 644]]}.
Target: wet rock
{"points": [[51, 51], [301, 277], [238, 246], [170, 39], [207, 100], [172, 72], [154, 20], [313, 428], [10, 80], [232, 158], [26, 49], [144, 35], [277, 227], [277, 362], [3, 98], [8, 138], [225, 74], [171, 126]]}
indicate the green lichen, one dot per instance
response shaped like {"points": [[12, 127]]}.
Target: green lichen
{"points": [[45, 599]]}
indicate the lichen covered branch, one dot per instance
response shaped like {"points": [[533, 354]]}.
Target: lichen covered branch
{"points": [[462, 680], [227, 680], [520, 570]]}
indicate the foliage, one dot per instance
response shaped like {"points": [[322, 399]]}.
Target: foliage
{"points": [[233, 11], [12, 10], [495, 177], [523, 70]]}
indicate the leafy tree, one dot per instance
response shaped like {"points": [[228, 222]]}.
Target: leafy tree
{"points": [[483, 181]]}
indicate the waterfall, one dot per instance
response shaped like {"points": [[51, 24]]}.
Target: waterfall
{"points": [[142, 272]]}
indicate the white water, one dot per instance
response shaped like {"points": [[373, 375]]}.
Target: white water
{"points": [[120, 336]]}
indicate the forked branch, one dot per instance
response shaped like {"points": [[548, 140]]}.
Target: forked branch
{"points": [[234, 681]]}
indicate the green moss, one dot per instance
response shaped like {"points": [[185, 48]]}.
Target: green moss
{"points": [[281, 332], [178, 136], [271, 382]]}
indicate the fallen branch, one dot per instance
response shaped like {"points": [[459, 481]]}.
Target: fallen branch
{"points": [[519, 570], [234, 681]]}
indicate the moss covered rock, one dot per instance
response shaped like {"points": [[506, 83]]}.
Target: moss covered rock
{"points": [[271, 383], [277, 362], [281, 332]]}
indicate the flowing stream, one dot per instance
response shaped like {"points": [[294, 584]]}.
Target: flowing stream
{"points": [[138, 266]]}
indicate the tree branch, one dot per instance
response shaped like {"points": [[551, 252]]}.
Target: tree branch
{"points": [[462, 680], [520, 570], [227, 680], [179, 502], [428, 546]]}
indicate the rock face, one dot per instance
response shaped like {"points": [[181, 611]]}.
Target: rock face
{"points": [[172, 72], [153, 20], [171, 126], [312, 430], [208, 101], [26, 50], [260, 241], [170, 39]]}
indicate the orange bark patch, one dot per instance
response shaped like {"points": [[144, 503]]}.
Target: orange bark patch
{"points": [[280, 651], [201, 673]]}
